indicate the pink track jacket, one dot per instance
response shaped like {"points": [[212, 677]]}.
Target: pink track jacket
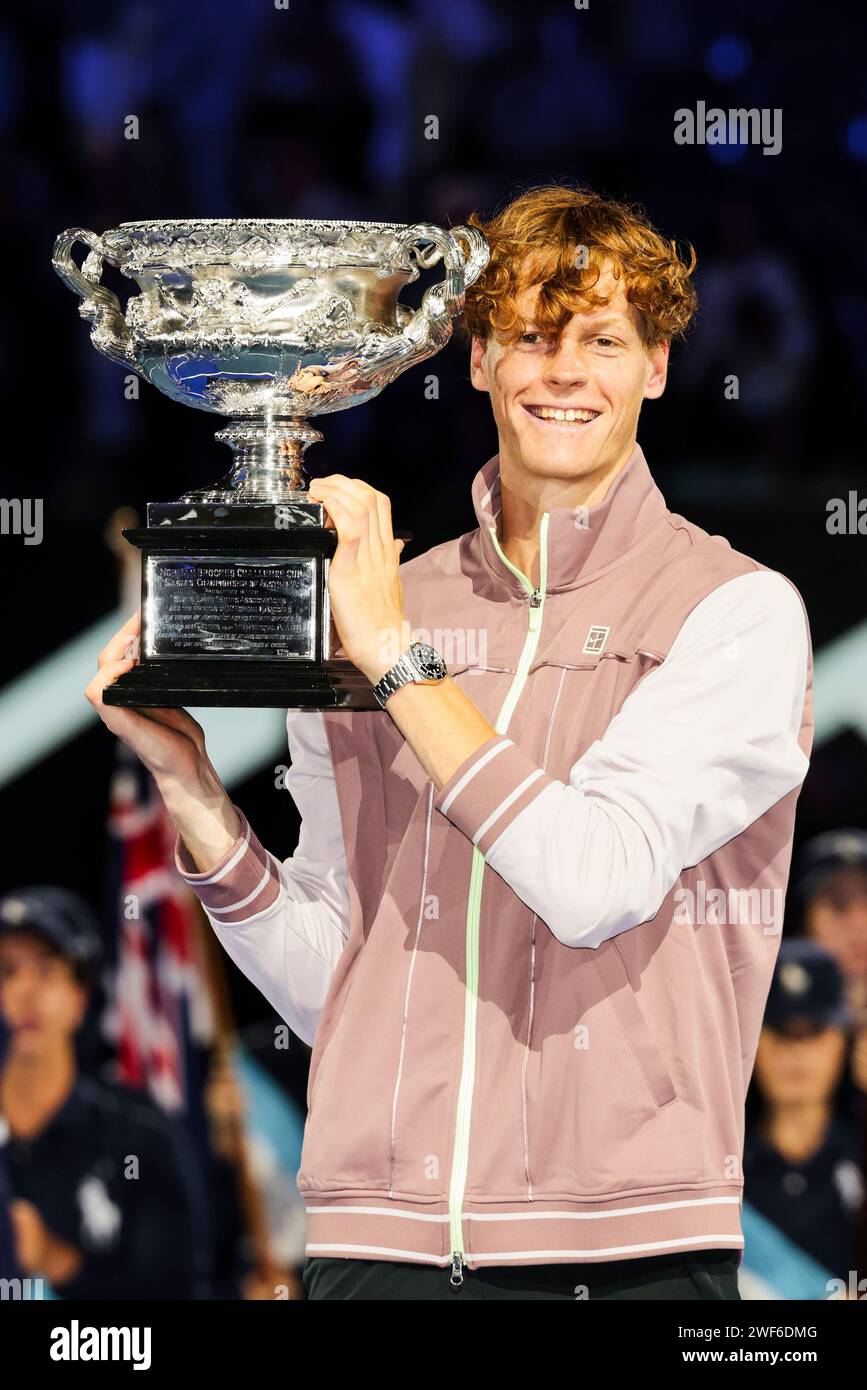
{"points": [[534, 997]]}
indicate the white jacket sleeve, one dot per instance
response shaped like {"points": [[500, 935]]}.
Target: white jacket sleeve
{"points": [[285, 924], [705, 744]]}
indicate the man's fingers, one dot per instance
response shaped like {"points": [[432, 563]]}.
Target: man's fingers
{"points": [[366, 512], [383, 511], [350, 524], [116, 646], [340, 479], [106, 675]]}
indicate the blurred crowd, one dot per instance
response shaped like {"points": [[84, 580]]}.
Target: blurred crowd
{"points": [[806, 1141], [325, 110], [104, 1195]]}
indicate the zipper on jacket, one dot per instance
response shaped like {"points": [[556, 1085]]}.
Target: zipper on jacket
{"points": [[461, 1150]]}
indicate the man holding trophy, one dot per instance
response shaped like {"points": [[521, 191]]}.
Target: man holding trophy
{"points": [[531, 1047]]}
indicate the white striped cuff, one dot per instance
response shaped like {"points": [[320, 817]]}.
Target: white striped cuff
{"points": [[243, 883], [489, 789]]}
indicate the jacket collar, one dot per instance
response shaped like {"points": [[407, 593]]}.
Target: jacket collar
{"points": [[579, 547]]}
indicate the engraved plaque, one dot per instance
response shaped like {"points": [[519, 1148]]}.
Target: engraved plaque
{"points": [[251, 607]]}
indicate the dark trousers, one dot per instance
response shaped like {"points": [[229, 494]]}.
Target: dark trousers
{"points": [[702, 1274]]}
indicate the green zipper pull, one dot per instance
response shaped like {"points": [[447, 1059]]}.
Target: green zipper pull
{"points": [[457, 1270]]}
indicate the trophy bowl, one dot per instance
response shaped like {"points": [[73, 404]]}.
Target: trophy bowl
{"points": [[270, 322], [267, 322]]}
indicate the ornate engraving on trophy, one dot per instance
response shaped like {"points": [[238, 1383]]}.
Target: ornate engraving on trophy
{"points": [[241, 608]]}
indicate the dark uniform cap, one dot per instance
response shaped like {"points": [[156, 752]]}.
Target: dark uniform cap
{"points": [[807, 991], [58, 916], [824, 854]]}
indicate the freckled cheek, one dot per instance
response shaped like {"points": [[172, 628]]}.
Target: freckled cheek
{"points": [[504, 403], [622, 386], [513, 385]]}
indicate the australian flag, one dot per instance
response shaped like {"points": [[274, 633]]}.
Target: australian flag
{"points": [[159, 1019]]}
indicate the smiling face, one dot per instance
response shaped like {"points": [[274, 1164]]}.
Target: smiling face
{"points": [[567, 409]]}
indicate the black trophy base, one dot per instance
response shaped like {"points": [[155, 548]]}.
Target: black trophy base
{"points": [[235, 611], [333, 684]]}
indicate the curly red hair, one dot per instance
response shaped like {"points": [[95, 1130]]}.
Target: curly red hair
{"points": [[536, 240]]}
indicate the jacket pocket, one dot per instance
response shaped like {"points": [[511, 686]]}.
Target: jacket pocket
{"points": [[611, 968], [347, 1141]]}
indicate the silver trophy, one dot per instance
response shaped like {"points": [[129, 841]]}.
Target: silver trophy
{"points": [[269, 323]]}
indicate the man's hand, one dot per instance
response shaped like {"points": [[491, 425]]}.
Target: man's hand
{"points": [[171, 744], [168, 741], [440, 722], [37, 1249], [364, 586]]}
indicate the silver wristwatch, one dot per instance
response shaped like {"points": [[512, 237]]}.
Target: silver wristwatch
{"points": [[420, 662]]}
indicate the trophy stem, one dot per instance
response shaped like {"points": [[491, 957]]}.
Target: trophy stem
{"points": [[268, 464]]}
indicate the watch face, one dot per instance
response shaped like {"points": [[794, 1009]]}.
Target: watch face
{"points": [[428, 661]]}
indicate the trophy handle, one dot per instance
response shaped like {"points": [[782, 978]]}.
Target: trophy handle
{"points": [[445, 300], [478, 251], [110, 334]]}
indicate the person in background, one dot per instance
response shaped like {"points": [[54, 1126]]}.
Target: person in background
{"points": [[100, 1203], [802, 1158], [831, 894], [9, 1267], [830, 886]]}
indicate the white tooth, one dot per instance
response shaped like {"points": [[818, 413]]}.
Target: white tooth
{"points": [[550, 412]]}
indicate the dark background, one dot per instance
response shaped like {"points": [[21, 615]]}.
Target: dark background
{"points": [[320, 110]]}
